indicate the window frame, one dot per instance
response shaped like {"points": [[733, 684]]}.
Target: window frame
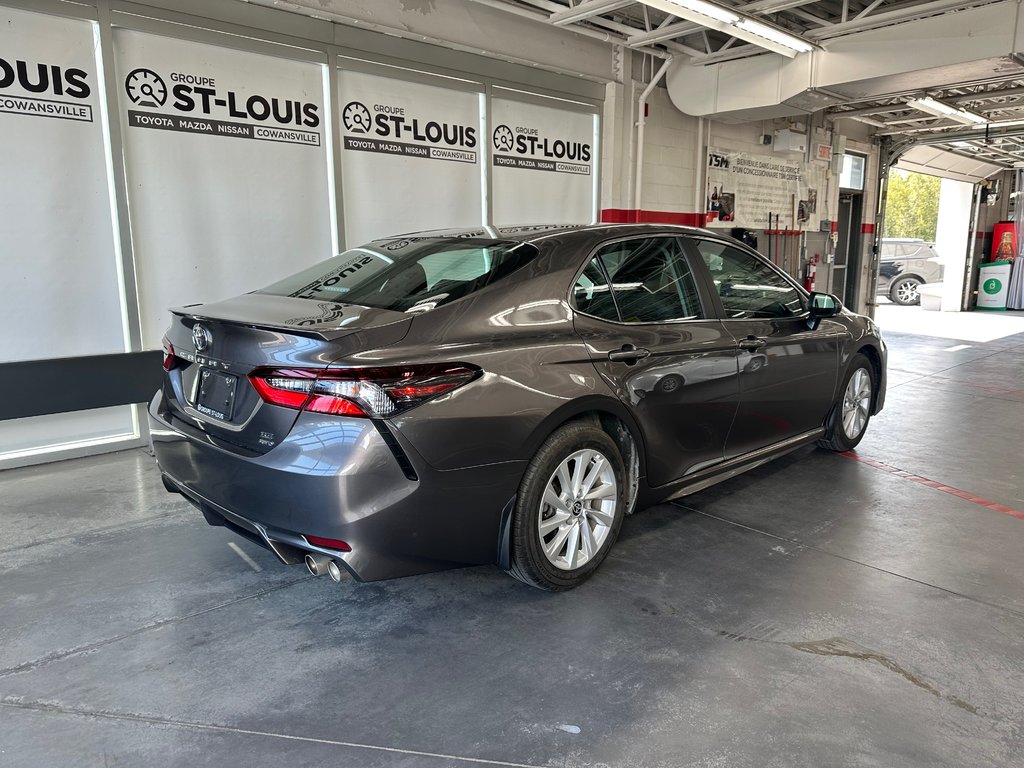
{"points": [[708, 309], [709, 283]]}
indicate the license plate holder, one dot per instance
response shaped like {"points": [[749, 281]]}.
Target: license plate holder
{"points": [[216, 396]]}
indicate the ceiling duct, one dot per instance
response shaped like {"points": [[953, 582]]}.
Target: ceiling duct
{"points": [[956, 48]]}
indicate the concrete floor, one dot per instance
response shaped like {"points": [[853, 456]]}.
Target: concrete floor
{"points": [[819, 611]]}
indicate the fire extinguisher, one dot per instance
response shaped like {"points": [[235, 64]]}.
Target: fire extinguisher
{"points": [[810, 271]]}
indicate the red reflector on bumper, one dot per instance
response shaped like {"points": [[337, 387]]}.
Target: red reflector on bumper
{"points": [[337, 544]]}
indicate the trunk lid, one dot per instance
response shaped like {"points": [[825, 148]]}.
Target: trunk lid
{"points": [[217, 346]]}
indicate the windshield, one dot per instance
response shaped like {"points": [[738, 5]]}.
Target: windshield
{"points": [[408, 274]]}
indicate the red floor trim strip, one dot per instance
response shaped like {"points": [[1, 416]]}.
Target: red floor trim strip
{"points": [[982, 502]]}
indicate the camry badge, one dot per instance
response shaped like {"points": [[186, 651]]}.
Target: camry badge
{"points": [[201, 337]]}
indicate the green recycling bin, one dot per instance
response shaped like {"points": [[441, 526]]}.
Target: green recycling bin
{"points": [[993, 284]]}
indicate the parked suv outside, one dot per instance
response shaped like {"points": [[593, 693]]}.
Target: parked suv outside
{"points": [[904, 264]]}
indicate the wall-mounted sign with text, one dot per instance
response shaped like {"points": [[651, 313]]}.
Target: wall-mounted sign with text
{"points": [[179, 96], [227, 167], [44, 79], [523, 146], [42, 89], [393, 129], [527, 138], [410, 156], [744, 189], [54, 195]]}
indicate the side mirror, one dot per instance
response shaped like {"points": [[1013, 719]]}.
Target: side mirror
{"points": [[821, 305]]}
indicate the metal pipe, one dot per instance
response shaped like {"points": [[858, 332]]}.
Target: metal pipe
{"points": [[317, 564], [641, 106], [699, 185]]}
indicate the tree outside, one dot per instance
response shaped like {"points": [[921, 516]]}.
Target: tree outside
{"points": [[912, 205]]}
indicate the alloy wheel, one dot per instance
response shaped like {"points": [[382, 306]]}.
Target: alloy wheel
{"points": [[577, 511], [906, 292], [856, 403]]}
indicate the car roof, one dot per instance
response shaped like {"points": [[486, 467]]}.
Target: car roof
{"points": [[533, 232]]}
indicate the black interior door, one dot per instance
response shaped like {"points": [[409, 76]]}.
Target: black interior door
{"points": [[846, 264]]}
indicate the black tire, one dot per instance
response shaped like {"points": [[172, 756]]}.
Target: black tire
{"points": [[904, 291], [836, 437], [529, 563]]}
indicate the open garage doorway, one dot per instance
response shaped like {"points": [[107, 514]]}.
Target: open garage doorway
{"points": [[938, 229]]}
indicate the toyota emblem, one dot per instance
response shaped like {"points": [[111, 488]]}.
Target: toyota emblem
{"points": [[201, 337]]}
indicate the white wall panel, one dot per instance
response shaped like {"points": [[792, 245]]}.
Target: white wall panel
{"points": [[59, 295], [60, 431], [227, 164], [544, 164], [411, 156]]}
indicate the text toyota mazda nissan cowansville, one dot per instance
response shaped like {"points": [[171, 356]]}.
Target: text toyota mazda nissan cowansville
{"points": [[500, 395]]}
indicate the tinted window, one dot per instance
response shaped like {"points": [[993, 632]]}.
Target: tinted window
{"points": [[748, 286], [411, 274], [592, 295], [651, 282]]}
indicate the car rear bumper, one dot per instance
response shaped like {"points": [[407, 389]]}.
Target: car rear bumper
{"points": [[338, 478]]}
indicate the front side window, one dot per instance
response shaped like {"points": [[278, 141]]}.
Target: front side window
{"points": [[747, 286], [650, 280]]}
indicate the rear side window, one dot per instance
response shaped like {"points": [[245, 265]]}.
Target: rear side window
{"points": [[408, 275], [650, 282], [592, 293], [747, 286]]}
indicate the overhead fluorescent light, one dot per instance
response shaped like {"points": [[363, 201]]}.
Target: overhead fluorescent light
{"points": [[775, 35], [716, 12], [939, 109], [1000, 124], [713, 16], [861, 119]]}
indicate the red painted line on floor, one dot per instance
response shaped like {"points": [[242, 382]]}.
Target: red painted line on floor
{"points": [[965, 495]]}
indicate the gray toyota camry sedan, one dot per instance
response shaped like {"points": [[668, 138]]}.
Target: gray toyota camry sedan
{"points": [[500, 396]]}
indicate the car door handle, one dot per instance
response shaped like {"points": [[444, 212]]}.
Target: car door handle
{"points": [[752, 342], [628, 354]]}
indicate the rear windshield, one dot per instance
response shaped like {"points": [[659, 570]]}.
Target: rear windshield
{"points": [[408, 274]]}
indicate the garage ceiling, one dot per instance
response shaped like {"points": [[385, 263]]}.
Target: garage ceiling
{"points": [[997, 99], [727, 76]]}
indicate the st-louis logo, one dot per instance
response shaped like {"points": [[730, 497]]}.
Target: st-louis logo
{"points": [[145, 88], [503, 138], [356, 117]]}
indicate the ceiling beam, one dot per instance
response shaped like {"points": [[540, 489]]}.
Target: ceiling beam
{"points": [[586, 10], [985, 95], [881, 109], [912, 13]]}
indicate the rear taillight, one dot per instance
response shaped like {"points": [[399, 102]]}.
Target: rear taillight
{"points": [[372, 392], [168, 354]]}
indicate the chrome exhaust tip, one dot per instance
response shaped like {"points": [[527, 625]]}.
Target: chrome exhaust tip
{"points": [[334, 571], [317, 564]]}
